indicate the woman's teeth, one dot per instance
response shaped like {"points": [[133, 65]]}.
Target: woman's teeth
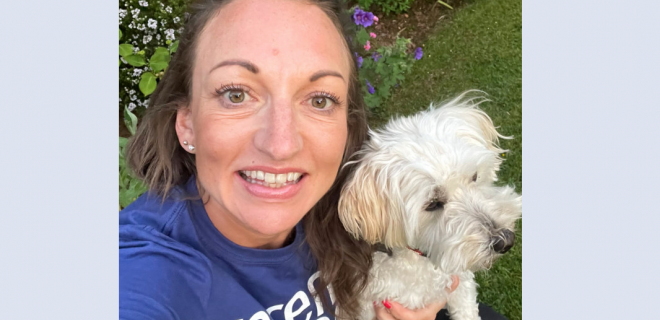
{"points": [[271, 180]]}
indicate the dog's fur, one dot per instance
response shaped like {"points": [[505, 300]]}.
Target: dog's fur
{"points": [[432, 156]]}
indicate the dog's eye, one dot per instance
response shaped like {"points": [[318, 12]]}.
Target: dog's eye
{"points": [[474, 177], [435, 205]]}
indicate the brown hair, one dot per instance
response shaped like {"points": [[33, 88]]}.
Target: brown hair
{"points": [[155, 156]]}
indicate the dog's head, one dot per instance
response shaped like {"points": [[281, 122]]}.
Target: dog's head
{"points": [[426, 182]]}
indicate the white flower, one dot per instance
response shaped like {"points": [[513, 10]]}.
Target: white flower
{"points": [[130, 92], [135, 36], [141, 26], [131, 25], [163, 22], [168, 9], [153, 24], [146, 103], [169, 34], [157, 36], [146, 39], [122, 13], [143, 3], [133, 97], [135, 47], [136, 73], [135, 12], [131, 106], [176, 19]]}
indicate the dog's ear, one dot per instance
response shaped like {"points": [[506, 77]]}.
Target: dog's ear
{"points": [[466, 107], [369, 210], [487, 128]]}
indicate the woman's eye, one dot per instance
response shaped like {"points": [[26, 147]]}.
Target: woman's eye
{"points": [[235, 96], [321, 102]]}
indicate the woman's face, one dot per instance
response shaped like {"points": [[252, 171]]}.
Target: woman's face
{"points": [[267, 116]]}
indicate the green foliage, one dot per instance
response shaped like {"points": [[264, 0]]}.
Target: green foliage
{"points": [[148, 83], [387, 6], [129, 187], [148, 30], [387, 72]]}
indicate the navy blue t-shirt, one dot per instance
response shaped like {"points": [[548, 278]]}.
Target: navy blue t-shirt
{"points": [[174, 264]]}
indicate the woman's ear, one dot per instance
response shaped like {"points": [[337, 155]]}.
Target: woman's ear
{"points": [[184, 126]]}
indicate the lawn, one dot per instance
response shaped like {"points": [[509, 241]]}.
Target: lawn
{"points": [[478, 46]]}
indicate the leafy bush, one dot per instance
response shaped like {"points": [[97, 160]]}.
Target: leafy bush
{"points": [[387, 6], [129, 187], [149, 30]]}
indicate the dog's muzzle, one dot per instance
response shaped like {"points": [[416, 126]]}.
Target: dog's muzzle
{"points": [[503, 241]]}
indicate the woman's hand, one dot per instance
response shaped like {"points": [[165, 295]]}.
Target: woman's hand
{"points": [[398, 312]]}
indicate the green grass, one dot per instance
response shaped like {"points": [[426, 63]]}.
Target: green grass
{"points": [[478, 46]]}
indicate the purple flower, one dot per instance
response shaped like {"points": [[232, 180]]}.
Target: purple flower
{"points": [[376, 56], [357, 16], [370, 88], [363, 18], [367, 19], [418, 53], [359, 61]]}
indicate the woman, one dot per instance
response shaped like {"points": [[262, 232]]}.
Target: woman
{"points": [[241, 147]]}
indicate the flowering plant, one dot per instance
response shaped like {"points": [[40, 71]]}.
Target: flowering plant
{"points": [[383, 68], [148, 30]]}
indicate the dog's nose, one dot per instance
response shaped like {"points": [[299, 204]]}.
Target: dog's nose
{"points": [[503, 241]]}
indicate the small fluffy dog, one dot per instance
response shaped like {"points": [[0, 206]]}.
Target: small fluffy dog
{"points": [[423, 188]]}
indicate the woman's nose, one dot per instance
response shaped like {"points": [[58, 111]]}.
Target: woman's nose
{"points": [[279, 137]]}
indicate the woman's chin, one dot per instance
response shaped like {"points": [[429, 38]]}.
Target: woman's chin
{"points": [[273, 223]]}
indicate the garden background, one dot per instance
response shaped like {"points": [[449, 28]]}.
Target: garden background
{"points": [[413, 52]]}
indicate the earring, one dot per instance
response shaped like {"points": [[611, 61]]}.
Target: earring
{"points": [[191, 148], [185, 142]]}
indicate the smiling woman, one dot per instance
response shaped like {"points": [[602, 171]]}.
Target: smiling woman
{"points": [[241, 147], [280, 114]]}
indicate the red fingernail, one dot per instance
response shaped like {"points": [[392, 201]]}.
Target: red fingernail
{"points": [[387, 304]]}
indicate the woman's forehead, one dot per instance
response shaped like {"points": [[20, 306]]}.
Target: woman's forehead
{"points": [[276, 34]]}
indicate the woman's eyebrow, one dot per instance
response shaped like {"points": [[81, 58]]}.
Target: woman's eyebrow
{"points": [[323, 73], [243, 63]]}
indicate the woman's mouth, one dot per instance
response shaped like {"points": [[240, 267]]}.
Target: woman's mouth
{"points": [[271, 180]]}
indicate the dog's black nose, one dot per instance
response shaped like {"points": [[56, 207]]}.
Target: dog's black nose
{"points": [[503, 241]]}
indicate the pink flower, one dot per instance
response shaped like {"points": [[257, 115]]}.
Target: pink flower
{"points": [[376, 19], [367, 46], [373, 35]]}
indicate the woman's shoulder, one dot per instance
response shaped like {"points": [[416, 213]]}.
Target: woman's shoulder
{"points": [[160, 277], [162, 273]]}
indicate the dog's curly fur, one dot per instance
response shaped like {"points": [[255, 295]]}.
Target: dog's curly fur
{"points": [[427, 182]]}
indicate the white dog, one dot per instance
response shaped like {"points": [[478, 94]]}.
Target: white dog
{"points": [[425, 182]]}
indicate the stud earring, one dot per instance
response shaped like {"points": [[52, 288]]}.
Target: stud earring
{"points": [[185, 142], [191, 148]]}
